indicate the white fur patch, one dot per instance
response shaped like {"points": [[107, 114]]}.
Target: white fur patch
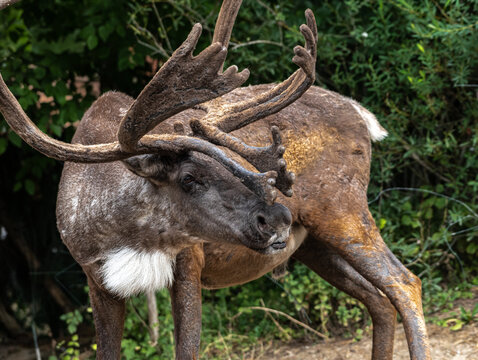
{"points": [[127, 272], [376, 131]]}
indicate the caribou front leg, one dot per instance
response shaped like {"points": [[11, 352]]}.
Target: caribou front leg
{"points": [[334, 269], [186, 303], [109, 315]]}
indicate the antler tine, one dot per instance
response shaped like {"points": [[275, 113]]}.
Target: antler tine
{"points": [[235, 116], [225, 21], [218, 122], [6, 3]]}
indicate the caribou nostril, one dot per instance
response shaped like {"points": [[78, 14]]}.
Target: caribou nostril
{"points": [[261, 222]]}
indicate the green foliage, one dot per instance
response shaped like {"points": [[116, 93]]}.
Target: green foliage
{"points": [[72, 320], [413, 63], [69, 349], [136, 342], [456, 321]]}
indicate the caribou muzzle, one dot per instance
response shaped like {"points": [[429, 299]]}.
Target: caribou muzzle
{"points": [[271, 228]]}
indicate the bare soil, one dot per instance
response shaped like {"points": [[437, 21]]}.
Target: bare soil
{"points": [[445, 344]]}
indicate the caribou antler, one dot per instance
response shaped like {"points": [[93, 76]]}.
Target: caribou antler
{"points": [[220, 121]]}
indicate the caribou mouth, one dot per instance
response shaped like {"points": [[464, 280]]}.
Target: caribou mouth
{"points": [[278, 245], [275, 244]]}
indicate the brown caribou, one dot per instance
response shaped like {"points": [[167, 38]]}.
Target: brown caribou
{"points": [[161, 191]]}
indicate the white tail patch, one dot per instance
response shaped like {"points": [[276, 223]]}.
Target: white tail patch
{"points": [[376, 131], [128, 272]]}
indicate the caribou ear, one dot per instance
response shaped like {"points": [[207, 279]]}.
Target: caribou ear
{"points": [[153, 166]]}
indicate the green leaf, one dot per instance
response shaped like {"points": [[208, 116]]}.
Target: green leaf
{"points": [[440, 203], [428, 213], [88, 31], [472, 248], [458, 325], [3, 145], [57, 130], [18, 185], [92, 42], [406, 220], [71, 328], [15, 139], [104, 31], [407, 206], [29, 186]]}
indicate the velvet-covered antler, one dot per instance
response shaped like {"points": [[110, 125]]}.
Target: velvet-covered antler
{"points": [[218, 122]]}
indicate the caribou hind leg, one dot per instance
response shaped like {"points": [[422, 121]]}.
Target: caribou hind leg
{"points": [[334, 269]]}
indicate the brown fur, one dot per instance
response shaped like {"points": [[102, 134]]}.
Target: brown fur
{"points": [[333, 232]]}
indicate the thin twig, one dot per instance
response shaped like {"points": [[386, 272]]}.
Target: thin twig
{"points": [[225, 346], [151, 47], [295, 321], [424, 191], [145, 32], [282, 330], [35, 342], [301, 311], [255, 42], [139, 316], [161, 24], [189, 10], [153, 317], [267, 7]]}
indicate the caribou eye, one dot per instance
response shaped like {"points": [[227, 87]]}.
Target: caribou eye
{"points": [[188, 179]]}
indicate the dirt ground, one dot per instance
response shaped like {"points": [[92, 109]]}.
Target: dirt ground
{"points": [[445, 344]]}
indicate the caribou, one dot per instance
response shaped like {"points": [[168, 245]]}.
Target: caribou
{"points": [[183, 188]]}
